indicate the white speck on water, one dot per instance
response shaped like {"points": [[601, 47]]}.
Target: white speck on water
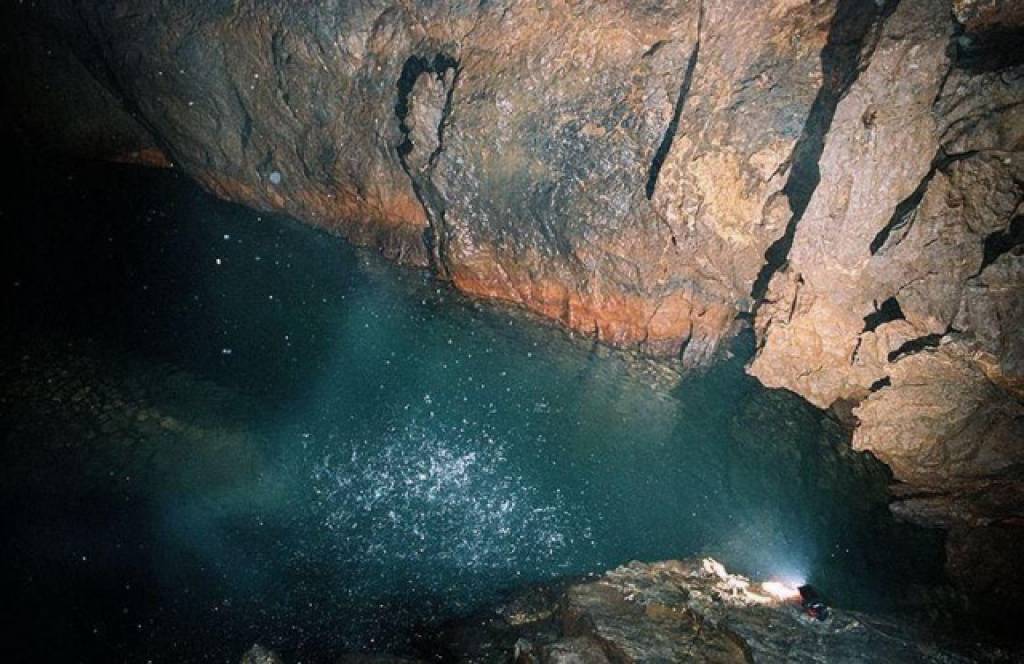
{"points": [[457, 480], [275, 177]]}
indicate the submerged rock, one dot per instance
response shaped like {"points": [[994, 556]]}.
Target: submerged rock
{"points": [[260, 655]]}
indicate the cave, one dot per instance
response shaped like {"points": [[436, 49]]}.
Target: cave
{"points": [[516, 331]]}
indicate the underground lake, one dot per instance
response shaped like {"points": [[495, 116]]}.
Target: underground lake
{"points": [[223, 427]]}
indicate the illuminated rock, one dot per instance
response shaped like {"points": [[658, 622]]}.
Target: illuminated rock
{"points": [[694, 611]]}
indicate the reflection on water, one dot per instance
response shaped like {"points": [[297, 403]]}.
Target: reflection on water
{"points": [[385, 496], [226, 427]]}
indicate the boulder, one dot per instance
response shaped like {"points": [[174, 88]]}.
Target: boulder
{"points": [[260, 655]]}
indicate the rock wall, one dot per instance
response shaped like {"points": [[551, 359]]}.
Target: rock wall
{"points": [[903, 291], [621, 167], [848, 173], [53, 105]]}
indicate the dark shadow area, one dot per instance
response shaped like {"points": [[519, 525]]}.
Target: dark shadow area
{"points": [[887, 312], [998, 244], [990, 50], [125, 257]]}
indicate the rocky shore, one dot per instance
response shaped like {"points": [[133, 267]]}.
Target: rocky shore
{"points": [[674, 611]]}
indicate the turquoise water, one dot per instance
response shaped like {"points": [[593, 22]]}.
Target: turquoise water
{"points": [[291, 441]]}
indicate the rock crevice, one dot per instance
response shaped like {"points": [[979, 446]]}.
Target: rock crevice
{"points": [[673, 126], [426, 88]]}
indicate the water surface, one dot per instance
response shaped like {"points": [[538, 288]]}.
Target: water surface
{"points": [[225, 427]]}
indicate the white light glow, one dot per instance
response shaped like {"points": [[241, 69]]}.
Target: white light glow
{"points": [[780, 590]]}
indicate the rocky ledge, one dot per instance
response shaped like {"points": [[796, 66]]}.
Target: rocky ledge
{"points": [[675, 611]]}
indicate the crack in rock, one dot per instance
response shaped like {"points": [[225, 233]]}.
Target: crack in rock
{"points": [[905, 213], [853, 36], [423, 108], [673, 126]]}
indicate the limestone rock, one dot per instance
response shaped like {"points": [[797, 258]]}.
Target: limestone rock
{"points": [[696, 611], [878, 150], [619, 167], [894, 241], [941, 421], [903, 287], [991, 313]]}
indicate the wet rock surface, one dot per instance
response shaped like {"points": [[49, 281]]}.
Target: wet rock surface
{"points": [[689, 610]]}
